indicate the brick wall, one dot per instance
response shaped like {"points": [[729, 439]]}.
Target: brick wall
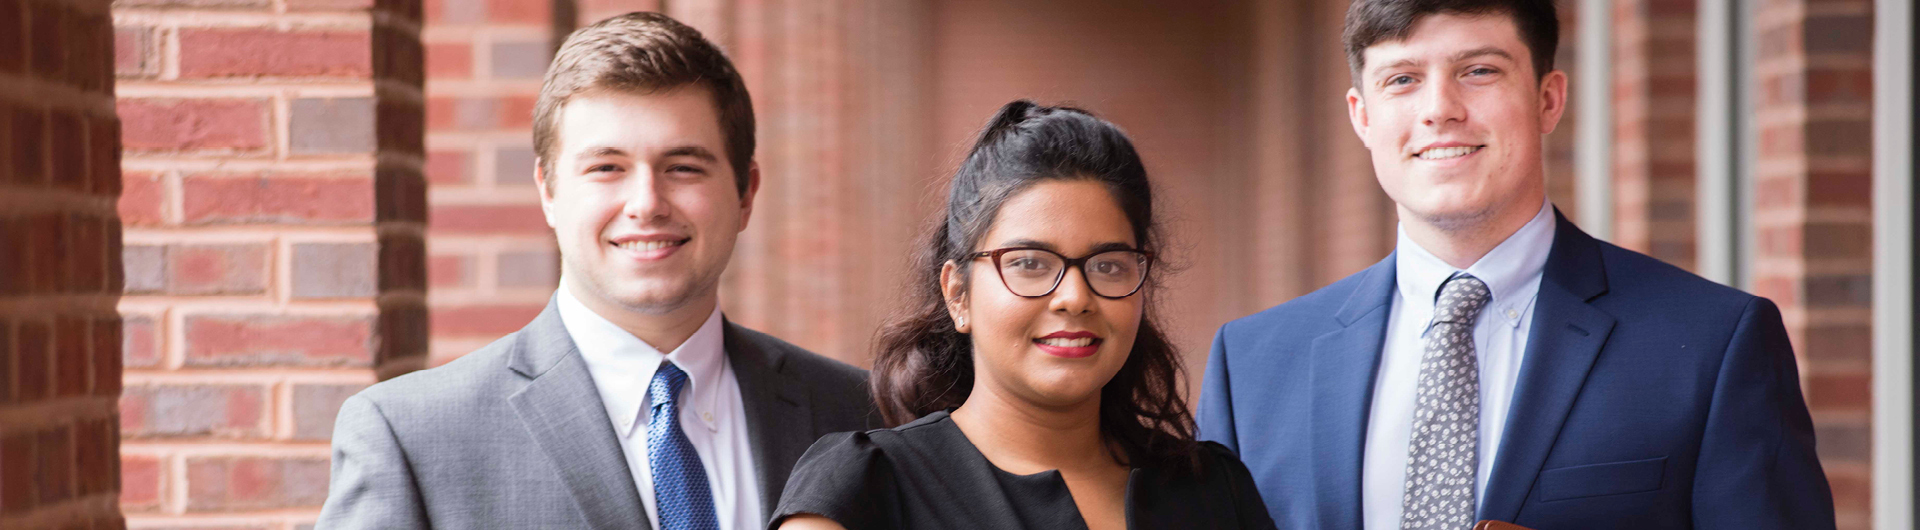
{"points": [[1654, 100], [274, 214], [59, 266], [491, 258], [1813, 214]]}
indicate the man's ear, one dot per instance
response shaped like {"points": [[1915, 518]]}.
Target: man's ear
{"points": [[1553, 100], [747, 195], [953, 289], [1357, 113], [540, 182]]}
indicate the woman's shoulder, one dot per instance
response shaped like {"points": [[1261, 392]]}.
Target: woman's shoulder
{"points": [[853, 477]]}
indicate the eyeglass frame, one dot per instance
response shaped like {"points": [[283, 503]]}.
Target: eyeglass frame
{"points": [[1069, 263]]}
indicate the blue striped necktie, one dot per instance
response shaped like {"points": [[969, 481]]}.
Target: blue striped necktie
{"points": [[679, 482]]}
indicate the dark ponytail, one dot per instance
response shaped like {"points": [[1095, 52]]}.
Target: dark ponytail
{"points": [[921, 364]]}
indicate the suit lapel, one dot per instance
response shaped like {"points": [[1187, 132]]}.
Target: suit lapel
{"points": [[1342, 370], [561, 410], [779, 419], [1565, 339]]}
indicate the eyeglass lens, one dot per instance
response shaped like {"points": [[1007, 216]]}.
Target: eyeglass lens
{"points": [[1033, 272]]}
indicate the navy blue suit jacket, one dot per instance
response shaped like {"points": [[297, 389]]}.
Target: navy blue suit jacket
{"points": [[1648, 398]]}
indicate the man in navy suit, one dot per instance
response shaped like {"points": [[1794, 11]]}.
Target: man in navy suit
{"points": [[1501, 364]]}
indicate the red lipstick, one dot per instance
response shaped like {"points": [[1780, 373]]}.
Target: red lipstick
{"points": [[1071, 352]]}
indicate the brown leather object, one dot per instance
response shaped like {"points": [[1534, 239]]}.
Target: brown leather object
{"points": [[1497, 525]]}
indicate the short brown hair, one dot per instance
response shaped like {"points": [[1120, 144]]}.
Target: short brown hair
{"points": [[647, 53], [1372, 21]]}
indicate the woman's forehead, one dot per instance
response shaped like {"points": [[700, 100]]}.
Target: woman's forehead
{"points": [[1068, 216]]}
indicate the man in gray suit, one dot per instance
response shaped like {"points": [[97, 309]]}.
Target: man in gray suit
{"points": [[630, 402]]}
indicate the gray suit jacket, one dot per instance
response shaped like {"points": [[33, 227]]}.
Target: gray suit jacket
{"points": [[514, 435]]}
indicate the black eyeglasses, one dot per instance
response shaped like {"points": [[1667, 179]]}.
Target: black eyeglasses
{"points": [[1035, 272]]}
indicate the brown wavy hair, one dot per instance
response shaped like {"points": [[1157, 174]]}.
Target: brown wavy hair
{"points": [[921, 364]]}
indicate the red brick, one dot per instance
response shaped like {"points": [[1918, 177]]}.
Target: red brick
{"points": [[403, 263], [96, 451], [1840, 188], [268, 52], [223, 483], [403, 327], [104, 153], [299, 199], [193, 124], [69, 140], [51, 24], [403, 195], [13, 36], [132, 53], [517, 111], [482, 320], [448, 167], [488, 219], [16, 487], [141, 200], [314, 408], [106, 355], [279, 340], [328, 5], [519, 12], [53, 466], [29, 144], [193, 410], [440, 113], [193, 3], [139, 483], [14, 266], [217, 269], [33, 350], [449, 271], [47, 269], [453, 60], [90, 56], [6, 361], [72, 355], [88, 248]]}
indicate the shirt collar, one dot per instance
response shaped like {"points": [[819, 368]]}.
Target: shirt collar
{"points": [[619, 358], [1512, 270]]}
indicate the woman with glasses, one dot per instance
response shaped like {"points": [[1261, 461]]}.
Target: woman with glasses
{"points": [[1029, 381]]}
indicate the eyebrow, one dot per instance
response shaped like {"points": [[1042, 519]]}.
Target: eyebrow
{"points": [[1457, 57], [599, 151], [686, 150], [691, 150], [1102, 247]]}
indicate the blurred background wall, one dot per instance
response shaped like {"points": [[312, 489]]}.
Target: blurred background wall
{"points": [[320, 194]]}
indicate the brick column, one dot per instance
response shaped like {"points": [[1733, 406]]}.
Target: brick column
{"points": [[1813, 212], [274, 207], [492, 261], [59, 266], [1654, 107]]}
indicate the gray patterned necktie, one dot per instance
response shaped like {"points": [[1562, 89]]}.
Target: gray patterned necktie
{"points": [[1444, 452]]}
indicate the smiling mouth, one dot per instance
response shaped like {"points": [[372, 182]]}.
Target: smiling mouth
{"points": [[1444, 153], [1063, 342], [1069, 347], [652, 246]]}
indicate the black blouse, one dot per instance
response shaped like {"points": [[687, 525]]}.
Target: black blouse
{"points": [[926, 475]]}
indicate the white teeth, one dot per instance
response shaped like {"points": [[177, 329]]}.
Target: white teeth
{"points": [[648, 246], [1068, 343], [1443, 153]]}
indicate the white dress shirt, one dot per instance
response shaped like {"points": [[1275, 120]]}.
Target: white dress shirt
{"points": [[710, 406], [1512, 272]]}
